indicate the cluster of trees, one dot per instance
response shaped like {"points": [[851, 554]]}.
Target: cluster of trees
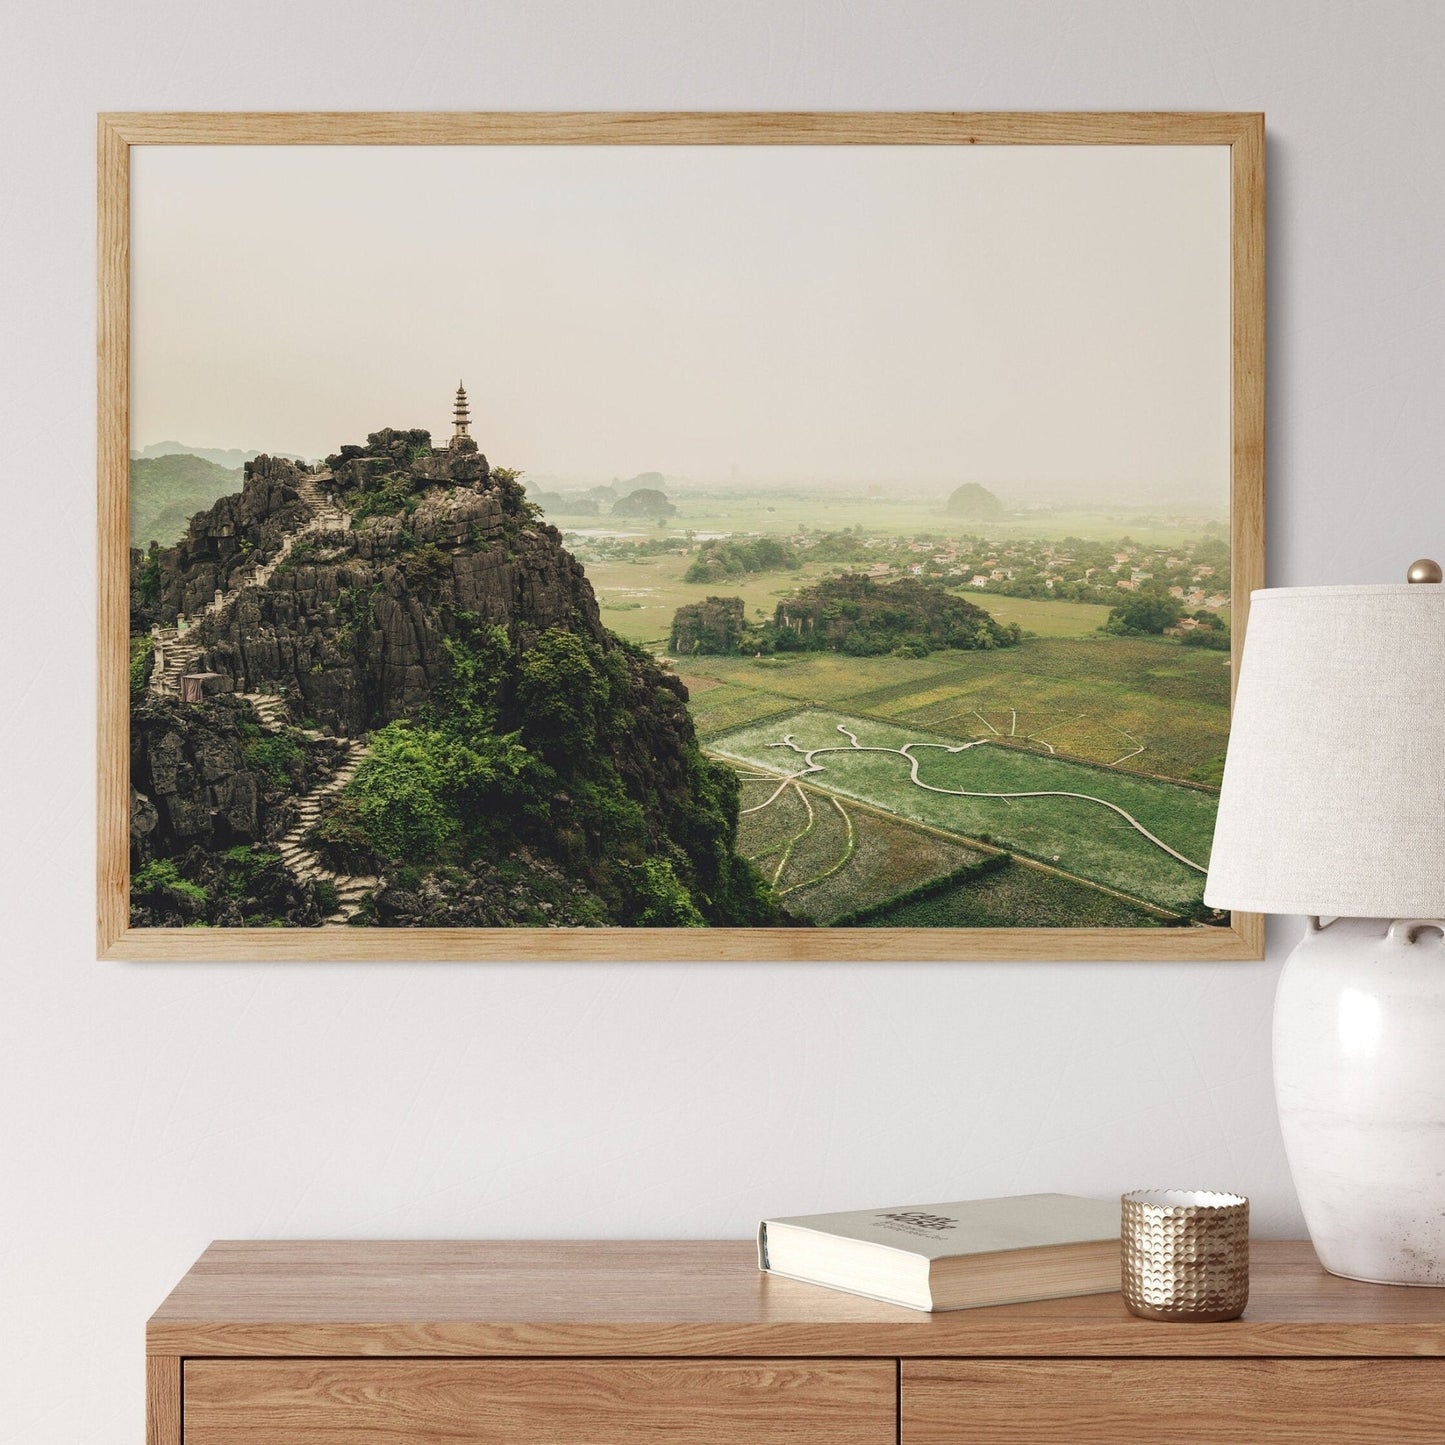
{"points": [[1212, 632], [736, 557], [852, 614], [1152, 611], [849, 545]]}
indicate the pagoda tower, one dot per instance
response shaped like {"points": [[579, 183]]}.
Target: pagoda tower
{"points": [[461, 415]]}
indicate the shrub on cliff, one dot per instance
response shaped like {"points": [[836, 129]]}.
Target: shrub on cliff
{"points": [[546, 748]]}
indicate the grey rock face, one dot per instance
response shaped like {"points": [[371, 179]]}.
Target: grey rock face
{"points": [[192, 782], [351, 627]]}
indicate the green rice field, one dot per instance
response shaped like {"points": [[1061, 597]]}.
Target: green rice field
{"points": [[826, 856], [1017, 895], [1146, 704], [1079, 835]]}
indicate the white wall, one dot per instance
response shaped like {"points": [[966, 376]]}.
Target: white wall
{"points": [[145, 1109]]}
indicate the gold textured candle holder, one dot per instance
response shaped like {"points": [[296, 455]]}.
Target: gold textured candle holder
{"points": [[1185, 1254]]}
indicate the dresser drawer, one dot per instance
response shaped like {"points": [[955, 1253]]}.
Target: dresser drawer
{"points": [[540, 1402], [1202, 1402]]}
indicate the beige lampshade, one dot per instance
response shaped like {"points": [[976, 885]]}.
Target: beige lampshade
{"points": [[1334, 787]]}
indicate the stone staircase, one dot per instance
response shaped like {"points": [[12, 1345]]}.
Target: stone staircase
{"points": [[301, 861], [351, 890], [272, 711], [177, 652]]}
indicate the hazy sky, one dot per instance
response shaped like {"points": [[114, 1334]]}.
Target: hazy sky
{"points": [[1031, 317]]}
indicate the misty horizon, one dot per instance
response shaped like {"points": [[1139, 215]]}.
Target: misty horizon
{"points": [[862, 314], [1141, 495]]}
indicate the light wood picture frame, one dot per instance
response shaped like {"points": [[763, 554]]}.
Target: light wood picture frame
{"points": [[1237, 137]]}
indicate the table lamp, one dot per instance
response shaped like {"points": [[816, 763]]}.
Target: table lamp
{"points": [[1333, 806]]}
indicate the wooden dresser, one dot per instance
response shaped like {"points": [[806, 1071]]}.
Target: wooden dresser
{"points": [[424, 1342]]}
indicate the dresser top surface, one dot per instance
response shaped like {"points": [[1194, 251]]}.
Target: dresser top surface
{"points": [[707, 1297]]}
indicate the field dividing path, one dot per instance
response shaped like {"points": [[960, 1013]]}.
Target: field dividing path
{"points": [[809, 766]]}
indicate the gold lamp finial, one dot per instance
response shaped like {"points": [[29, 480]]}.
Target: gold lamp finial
{"points": [[1424, 570]]}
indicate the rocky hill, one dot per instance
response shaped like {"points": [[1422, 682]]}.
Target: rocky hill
{"points": [[404, 612], [974, 503], [911, 617], [714, 625], [644, 502]]}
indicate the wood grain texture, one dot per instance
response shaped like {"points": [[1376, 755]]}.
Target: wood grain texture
{"points": [[1247, 415], [1204, 1402], [1243, 133], [472, 1402], [113, 541], [341, 944], [683, 127], [163, 1400], [707, 1298]]}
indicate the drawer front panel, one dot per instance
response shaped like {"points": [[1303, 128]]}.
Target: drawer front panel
{"points": [[1202, 1402], [540, 1402]]}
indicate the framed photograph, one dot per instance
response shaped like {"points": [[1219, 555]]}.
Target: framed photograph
{"points": [[674, 536]]}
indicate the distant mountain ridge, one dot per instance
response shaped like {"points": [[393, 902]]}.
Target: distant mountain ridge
{"points": [[171, 482], [167, 491], [233, 458]]}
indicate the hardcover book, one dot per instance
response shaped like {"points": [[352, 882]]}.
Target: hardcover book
{"points": [[953, 1256]]}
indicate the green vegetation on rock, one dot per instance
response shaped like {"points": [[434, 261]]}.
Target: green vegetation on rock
{"points": [[141, 654], [737, 557], [536, 748], [714, 625], [278, 755], [162, 877], [861, 617], [851, 614]]}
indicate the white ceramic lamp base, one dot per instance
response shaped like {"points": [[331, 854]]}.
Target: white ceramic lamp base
{"points": [[1359, 1069]]}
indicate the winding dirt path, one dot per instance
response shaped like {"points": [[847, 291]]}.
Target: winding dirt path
{"points": [[808, 754]]}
